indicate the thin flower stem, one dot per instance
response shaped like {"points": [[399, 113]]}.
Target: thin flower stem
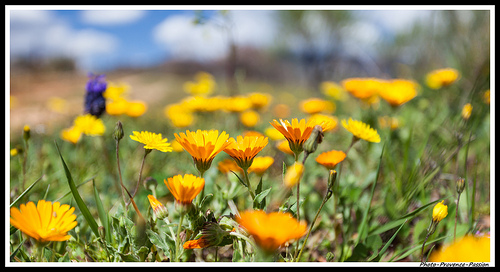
{"points": [[247, 181], [120, 172], [146, 152], [456, 219]]}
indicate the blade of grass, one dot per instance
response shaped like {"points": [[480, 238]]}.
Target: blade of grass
{"points": [[25, 192], [396, 258], [77, 186], [382, 251], [102, 214], [362, 230], [79, 201]]}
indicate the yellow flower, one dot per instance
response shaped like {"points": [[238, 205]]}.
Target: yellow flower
{"points": [[249, 118], [237, 104], [159, 210], [152, 141], [361, 130], [293, 174], [398, 91], [203, 145], [14, 152], [467, 249], [439, 212], [486, 97], [44, 222], [298, 132], [176, 146], [259, 100], [281, 110], [89, 125], [388, 122], [244, 149], [117, 106], [136, 108], [333, 90], [116, 91], [316, 105], [204, 84], [57, 104], [261, 164], [466, 111], [441, 78], [185, 188], [273, 134], [330, 159], [271, 230], [363, 88], [72, 134]]}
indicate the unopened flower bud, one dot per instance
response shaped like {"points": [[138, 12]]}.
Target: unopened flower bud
{"points": [[118, 133], [314, 139], [26, 132], [159, 210], [460, 185], [439, 212], [150, 183]]}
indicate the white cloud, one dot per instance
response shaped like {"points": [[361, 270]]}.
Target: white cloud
{"points": [[186, 40], [42, 34], [111, 17]]}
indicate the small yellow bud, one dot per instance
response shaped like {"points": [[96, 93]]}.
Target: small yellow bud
{"points": [[460, 185], [439, 212], [466, 111], [26, 132]]}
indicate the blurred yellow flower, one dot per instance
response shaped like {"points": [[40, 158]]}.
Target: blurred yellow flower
{"points": [[244, 149], [271, 230], [284, 147], [330, 159], [116, 91], [152, 141], [466, 111], [44, 222], [185, 188], [439, 212], [281, 110], [204, 84], [259, 100], [14, 152], [203, 145], [89, 125], [237, 103], [176, 146], [293, 174], [389, 122], [178, 115], [72, 134], [333, 90], [396, 92], [117, 106], [486, 97], [260, 164], [363, 88], [273, 134], [249, 118], [227, 165], [467, 249], [441, 78], [361, 130], [252, 133], [316, 105], [57, 104], [136, 108]]}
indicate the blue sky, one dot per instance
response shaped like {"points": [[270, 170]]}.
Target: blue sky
{"points": [[108, 38]]}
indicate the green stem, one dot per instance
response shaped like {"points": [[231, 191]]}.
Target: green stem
{"points": [[120, 172], [146, 152], [247, 181]]}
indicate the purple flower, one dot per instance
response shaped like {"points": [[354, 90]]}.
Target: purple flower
{"points": [[95, 103]]}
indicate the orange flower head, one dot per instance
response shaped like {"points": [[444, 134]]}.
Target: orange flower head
{"points": [[227, 165], [316, 105], [284, 147], [271, 230], [298, 132], [362, 88], [244, 149], [44, 222], [439, 78], [330, 159], [203, 146], [159, 210], [185, 188]]}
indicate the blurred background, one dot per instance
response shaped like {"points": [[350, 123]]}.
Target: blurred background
{"points": [[52, 51]]}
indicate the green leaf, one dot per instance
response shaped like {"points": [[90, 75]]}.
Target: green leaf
{"points": [[25, 192], [79, 201], [260, 199], [102, 214], [382, 251]]}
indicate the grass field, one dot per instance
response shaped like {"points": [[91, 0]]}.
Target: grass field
{"points": [[379, 208]]}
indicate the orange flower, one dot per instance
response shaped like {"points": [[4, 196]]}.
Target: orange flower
{"points": [[273, 230], [284, 147], [330, 159], [185, 188], [227, 165], [44, 222], [244, 149], [467, 249], [159, 210], [362, 88], [316, 105], [299, 131], [398, 91], [441, 78], [203, 146]]}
